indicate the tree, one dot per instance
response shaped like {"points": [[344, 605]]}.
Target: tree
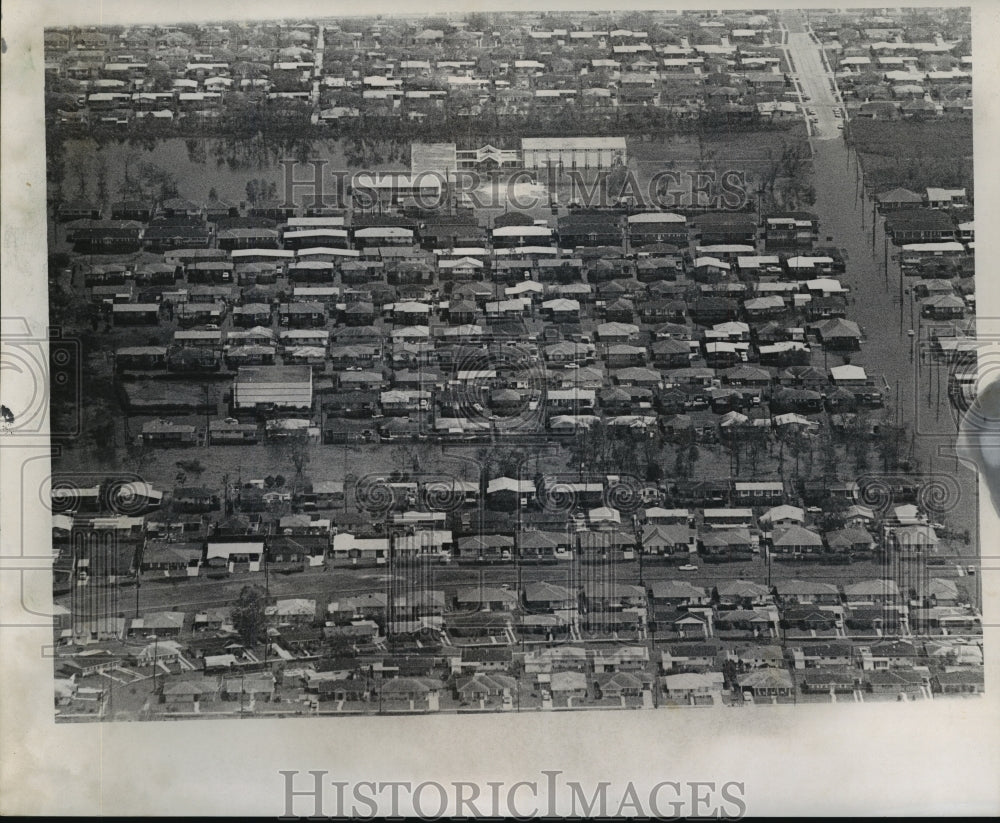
{"points": [[248, 616], [194, 467], [101, 176], [157, 182], [831, 460], [682, 468], [889, 442], [137, 455], [693, 455]]}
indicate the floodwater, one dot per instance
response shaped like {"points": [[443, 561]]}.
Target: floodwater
{"points": [[201, 164], [886, 311]]}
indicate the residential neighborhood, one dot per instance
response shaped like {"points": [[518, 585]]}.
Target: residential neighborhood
{"points": [[562, 438]]}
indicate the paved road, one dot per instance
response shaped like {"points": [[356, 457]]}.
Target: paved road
{"points": [[814, 79]]}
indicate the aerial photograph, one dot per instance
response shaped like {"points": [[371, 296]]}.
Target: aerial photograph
{"points": [[495, 362]]}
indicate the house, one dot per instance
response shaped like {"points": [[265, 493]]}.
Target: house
{"points": [[693, 687], [896, 682], [796, 541], [809, 619], [961, 681], [619, 658], [260, 388], [807, 592], [569, 685], [674, 594], [486, 658], [783, 515], [171, 559], [619, 685], [919, 225], [508, 493], [829, 680], [721, 545], [80, 210], [616, 332], [898, 198], [371, 605], [939, 591], [789, 230], [257, 686], [872, 593], [412, 690], [549, 597], [167, 433], [544, 545], [838, 655], [682, 625], [161, 624], [915, 539], [743, 593], [657, 227], [888, 654], [557, 658], [943, 307], [839, 334], [481, 687], [938, 198], [486, 547], [614, 597], [669, 540], [589, 229], [851, 540], [657, 515], [234, 553], [188, 692], [757, 623], [767, 682], [689, 657], [758, 493]]}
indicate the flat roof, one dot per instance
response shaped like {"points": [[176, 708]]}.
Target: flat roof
{"points": [[571, 143]]}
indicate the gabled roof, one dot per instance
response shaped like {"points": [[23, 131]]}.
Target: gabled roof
{"points": [[796, 535]]}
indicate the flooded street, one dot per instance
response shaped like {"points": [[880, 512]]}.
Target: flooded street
{"points": [[886, 310]]}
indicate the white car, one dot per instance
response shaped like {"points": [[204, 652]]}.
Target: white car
{"points": [[687, 567]]}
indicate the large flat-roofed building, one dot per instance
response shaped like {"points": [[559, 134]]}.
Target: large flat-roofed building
{"points": [[273, 387], [573, 152]]}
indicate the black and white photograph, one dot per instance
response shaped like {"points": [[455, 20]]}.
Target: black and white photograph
{"points": [[542, 367]]}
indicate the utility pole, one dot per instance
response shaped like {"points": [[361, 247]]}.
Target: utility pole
{"points": [[156, 641], [900, 299], [885, 257]]}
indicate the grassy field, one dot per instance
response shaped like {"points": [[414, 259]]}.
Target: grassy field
{"points": [[741, 148], [915, 154], [198, 165]]}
